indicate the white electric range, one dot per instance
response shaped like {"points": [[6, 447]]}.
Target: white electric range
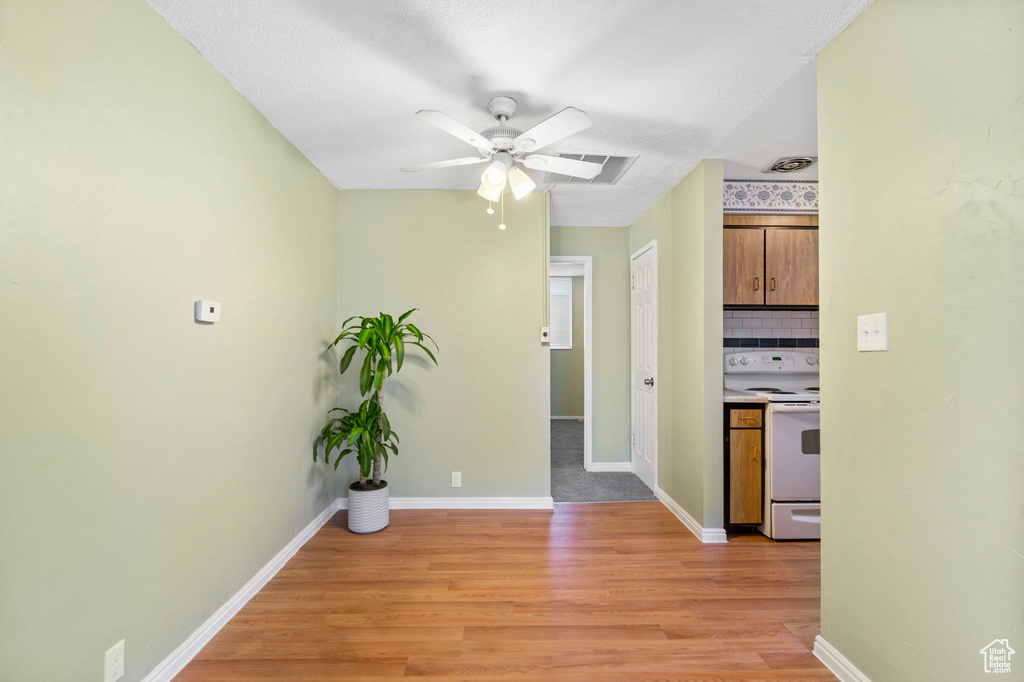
{"points": [[787, 383]]}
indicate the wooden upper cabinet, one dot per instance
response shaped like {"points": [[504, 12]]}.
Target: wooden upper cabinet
{"points": [[791, 266], [743, 282]]}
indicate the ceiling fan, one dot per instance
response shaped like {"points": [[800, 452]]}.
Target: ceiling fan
{"points": [[507, 148]]}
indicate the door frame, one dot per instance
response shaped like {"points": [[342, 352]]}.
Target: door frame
{"points": [[649, 246], [571, 266]]}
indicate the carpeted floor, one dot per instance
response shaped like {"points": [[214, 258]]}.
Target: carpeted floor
{"points": [[570, 483]]}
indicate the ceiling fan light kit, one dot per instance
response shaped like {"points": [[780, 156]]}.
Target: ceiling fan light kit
{"points": [[508, 149], [520, 183], [490, 192]]}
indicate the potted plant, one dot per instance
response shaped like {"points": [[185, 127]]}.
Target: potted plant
{"points": [[367, 430]]}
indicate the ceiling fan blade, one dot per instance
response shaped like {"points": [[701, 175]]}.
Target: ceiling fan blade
{"points": [[566, 122], [453, 127], [556, 164], [465, 161]]}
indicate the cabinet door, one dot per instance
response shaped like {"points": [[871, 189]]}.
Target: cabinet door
{"points": [[745, 480], [743, 266], [791, 260]]}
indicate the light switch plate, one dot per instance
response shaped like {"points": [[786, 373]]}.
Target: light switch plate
{"points": [[545, 335], [873, 332]]}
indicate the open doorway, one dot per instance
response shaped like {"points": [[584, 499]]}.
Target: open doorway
{"points": [[575, 476]]}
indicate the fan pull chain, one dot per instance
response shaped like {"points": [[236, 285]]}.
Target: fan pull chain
{"points": [[502, 226]]}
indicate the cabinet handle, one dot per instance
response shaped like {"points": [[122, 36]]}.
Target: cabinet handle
{"points": [[773, 284], [757, 283], [753, 449]]}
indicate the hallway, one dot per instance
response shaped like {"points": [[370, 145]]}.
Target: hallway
{"points": [[571, 483]]}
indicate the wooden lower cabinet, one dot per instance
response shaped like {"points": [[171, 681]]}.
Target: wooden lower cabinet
{"points": [[746, 479]]}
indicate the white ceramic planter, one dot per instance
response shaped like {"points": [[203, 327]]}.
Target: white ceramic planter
{"points": [[368, 509]]}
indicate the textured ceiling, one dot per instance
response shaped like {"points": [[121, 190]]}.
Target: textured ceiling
{"points": [[665, 80], [785, 125]]}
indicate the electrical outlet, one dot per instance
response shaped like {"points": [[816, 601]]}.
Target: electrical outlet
{"points": [[456, 479], [113, 663]]}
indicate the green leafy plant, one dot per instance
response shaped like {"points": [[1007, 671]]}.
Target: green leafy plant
{"points": [[384, 341], [365, 431]]}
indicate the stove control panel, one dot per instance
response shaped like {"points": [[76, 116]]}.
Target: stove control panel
{"points": [[753, 361]]}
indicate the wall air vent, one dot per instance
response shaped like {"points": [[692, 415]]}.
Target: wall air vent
{"points": [[614, 168], [789, 164]]}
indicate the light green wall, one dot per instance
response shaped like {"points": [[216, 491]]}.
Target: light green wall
{"points": [[609, 247], [687, 223], [923, 482], [567, 364], [485, 409], [150, 465]]}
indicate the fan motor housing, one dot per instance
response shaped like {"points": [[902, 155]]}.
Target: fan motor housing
{"points": [[502, 136]]}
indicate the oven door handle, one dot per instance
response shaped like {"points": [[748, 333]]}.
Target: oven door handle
{"points": [[794, 407]]}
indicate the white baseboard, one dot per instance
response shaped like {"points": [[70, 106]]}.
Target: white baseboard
{"points": [[471, 503], [180, 657], [577, 418], [705, 535], [610, 466], [836, 662], [464, 503]]}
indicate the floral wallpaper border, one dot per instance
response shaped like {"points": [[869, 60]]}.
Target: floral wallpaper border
{"points": [[770, 196]]}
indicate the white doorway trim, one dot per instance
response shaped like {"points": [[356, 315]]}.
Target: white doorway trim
{"points": [[649, 246], [574, 266]]}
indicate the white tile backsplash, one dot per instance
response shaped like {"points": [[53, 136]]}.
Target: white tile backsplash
{"points": [[770, 324]]}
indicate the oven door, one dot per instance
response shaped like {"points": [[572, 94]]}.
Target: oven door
{"points": [[795, 454]]}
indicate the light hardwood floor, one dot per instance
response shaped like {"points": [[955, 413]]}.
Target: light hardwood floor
{"points": [[589, 593]]}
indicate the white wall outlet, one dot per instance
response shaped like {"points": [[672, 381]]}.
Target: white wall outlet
{"points": [[873, 332], [207, 311], [456, 479], [113, 663], [545, 334]]}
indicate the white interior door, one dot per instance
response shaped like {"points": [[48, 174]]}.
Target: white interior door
{"points": [[644, 390]]}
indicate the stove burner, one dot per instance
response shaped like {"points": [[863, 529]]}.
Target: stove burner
{"points": [[762, 388]]}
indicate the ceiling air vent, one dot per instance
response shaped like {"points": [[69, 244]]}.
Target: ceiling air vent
{"points": [[614, 168], [789, 164]]}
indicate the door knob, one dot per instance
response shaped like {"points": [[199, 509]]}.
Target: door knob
{"points": [[649, 382]]}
